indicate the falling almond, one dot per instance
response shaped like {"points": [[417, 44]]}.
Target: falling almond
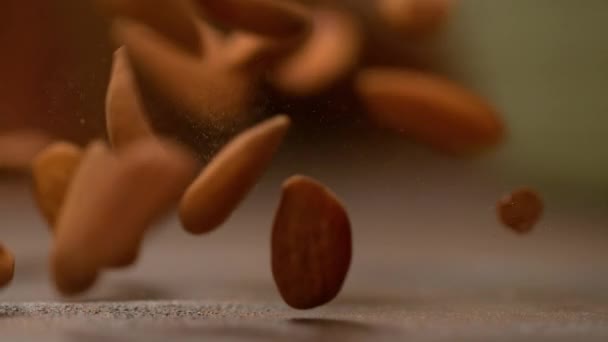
{"points": [[520, 210], [52, 172], [429, 109], [125, 115], [414, 18], [7, 266], [113, 200], [230, 175], [201, 89], [275, 18], [329, 53], [174, 19], [311, 244]]}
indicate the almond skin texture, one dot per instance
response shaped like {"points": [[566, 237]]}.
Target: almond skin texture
{"points": [[174, 19], [52, 172], [520, 210], [329, 53], [7, 266], [113, 200], [311, 244], [125, 115], [429, 109], [230, 175], [275, 18]]}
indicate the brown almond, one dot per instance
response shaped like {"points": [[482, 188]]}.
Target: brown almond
{"points": [[174, 19], [7, 266], [429, 109], [311, 244], [203, 90], [254, 54], [329, 53], [52, 172], [111, 203], [520, 210], [125, 115], [230, 175], [414, 18], [19, 148], [274, 18]]}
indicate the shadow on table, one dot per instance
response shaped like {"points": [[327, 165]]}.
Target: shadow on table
{"points": [[338, 329]]}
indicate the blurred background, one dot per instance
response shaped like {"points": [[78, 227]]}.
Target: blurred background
{"points": [[541, 63]]}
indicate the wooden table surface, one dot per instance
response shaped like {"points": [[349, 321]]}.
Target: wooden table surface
{"points": [[431, 263]]}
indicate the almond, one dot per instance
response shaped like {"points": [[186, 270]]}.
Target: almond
{"points": [[329, 53], [174, 19], [112, 201], [52, 172], [429, 109], [414, 18], [274, 18], [230, 175], [200, 89], [7, 266], [125, 115], [311, 244], [520, 210]]}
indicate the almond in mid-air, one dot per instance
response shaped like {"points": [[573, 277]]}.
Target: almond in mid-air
{"points": [[311, 244], [7, 266], [112, 201], [429, 109], [125, 113], [520, 210], [52, 172], [230, 175]]}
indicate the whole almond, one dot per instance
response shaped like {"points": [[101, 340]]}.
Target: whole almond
{"points": [[429, 109], [174, 19], [200, 89], [520, 210], [274, 18], [111, 203], [329, 53], [52, 172], [7, 266], [311, 244], [225, 181], [414, 18], [125, 115]]}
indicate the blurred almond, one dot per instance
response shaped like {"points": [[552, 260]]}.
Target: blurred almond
{"points": [[329, 53], [112, 201], [276, 18], [520, 210], [311, 244], [7, 266], [125, 115], [414, 18], [52, 172], [429, 109], [200, 90], [175, 19], [230, 175]]}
